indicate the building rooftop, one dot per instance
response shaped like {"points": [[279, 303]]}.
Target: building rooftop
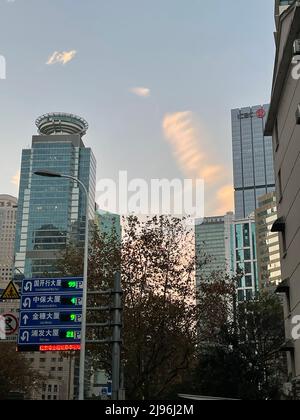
{"points": [[61, 123]]}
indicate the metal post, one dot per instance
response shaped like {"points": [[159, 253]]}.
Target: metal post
{"points": [[84, 300], [116, 340]]}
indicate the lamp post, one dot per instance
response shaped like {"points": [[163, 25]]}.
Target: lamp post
{"points": [[50, 174]]}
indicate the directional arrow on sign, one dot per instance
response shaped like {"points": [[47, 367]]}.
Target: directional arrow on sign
{"points": [[28, 287], [27, 303], [25, 319], [25, 336]]}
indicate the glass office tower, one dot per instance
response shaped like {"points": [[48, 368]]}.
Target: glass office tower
{"points": [[253, 165], [51, 211], [245, 258], [213, 240]]}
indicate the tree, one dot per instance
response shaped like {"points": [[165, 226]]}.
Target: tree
{"points": [[239, 350], [16, 376], [160, 311]]}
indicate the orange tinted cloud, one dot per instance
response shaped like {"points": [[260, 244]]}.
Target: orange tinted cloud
{"points": [[15, 180], [225, 199], [195, 159]]}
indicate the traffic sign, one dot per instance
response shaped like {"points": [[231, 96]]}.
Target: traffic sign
{"points": [[43, 319], [10, 293], [11, 324], [50, 313], [52, 285], [42, 336], [48, 302]]}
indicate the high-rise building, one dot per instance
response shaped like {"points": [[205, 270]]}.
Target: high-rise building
{"points": [[253, 166], [245, 258], [109, 224], [213, 241], [284, 125], [52, 210], [8, 214], [267, 243], [52, 213]]}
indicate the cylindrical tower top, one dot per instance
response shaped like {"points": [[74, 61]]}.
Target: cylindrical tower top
{"points": [[61, 123]]}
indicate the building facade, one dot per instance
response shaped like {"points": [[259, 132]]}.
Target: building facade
{"points": [[284, 125], [253, 166], [267, 243], [245, 258], [8, 215], [52, 210], [213, 241]]}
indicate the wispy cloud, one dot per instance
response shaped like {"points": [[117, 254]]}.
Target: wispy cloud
{"points": [[142, 92], [61, 57], [225, 199], [15, 180], [197, 161]]}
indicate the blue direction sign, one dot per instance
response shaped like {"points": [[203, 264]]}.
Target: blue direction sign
{"points": [[44, 319], [47, 302], [50, 313], [41, 336], [52, 285]]}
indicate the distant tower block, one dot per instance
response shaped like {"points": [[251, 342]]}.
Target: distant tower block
{"points": [[61, 123]]}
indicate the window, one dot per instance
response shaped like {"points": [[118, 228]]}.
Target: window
{"points": [[241, 296], [249, 295], [60, 369], [247, 254], [246, 235], [42, 360], [248, 268], [49, 397], [55, 397], [55, 388], [49, 388], [248, 281], [43, 397]]}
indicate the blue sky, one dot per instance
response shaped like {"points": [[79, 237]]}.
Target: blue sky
{"points": [[194, 59]]}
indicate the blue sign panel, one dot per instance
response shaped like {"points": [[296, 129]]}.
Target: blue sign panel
{"points": [[50, 313], [63, 285], [42, 336], [43, 319], [48, 302]]}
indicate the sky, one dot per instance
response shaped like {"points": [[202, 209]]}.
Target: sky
{"points": [[156, 80]]}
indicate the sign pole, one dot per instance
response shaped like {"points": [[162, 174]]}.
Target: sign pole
{"points": [[116, 346]]}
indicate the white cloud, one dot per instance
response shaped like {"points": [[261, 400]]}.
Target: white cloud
{"points": [[142, 92], [63, 57]]}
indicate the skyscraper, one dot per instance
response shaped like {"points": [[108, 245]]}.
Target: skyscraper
{"points": [[213, 240], [52, 211], [8, 214], [253, 166], [268, 253]]}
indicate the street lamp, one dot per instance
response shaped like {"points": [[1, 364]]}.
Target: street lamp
{"points": [[50, 174]]}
